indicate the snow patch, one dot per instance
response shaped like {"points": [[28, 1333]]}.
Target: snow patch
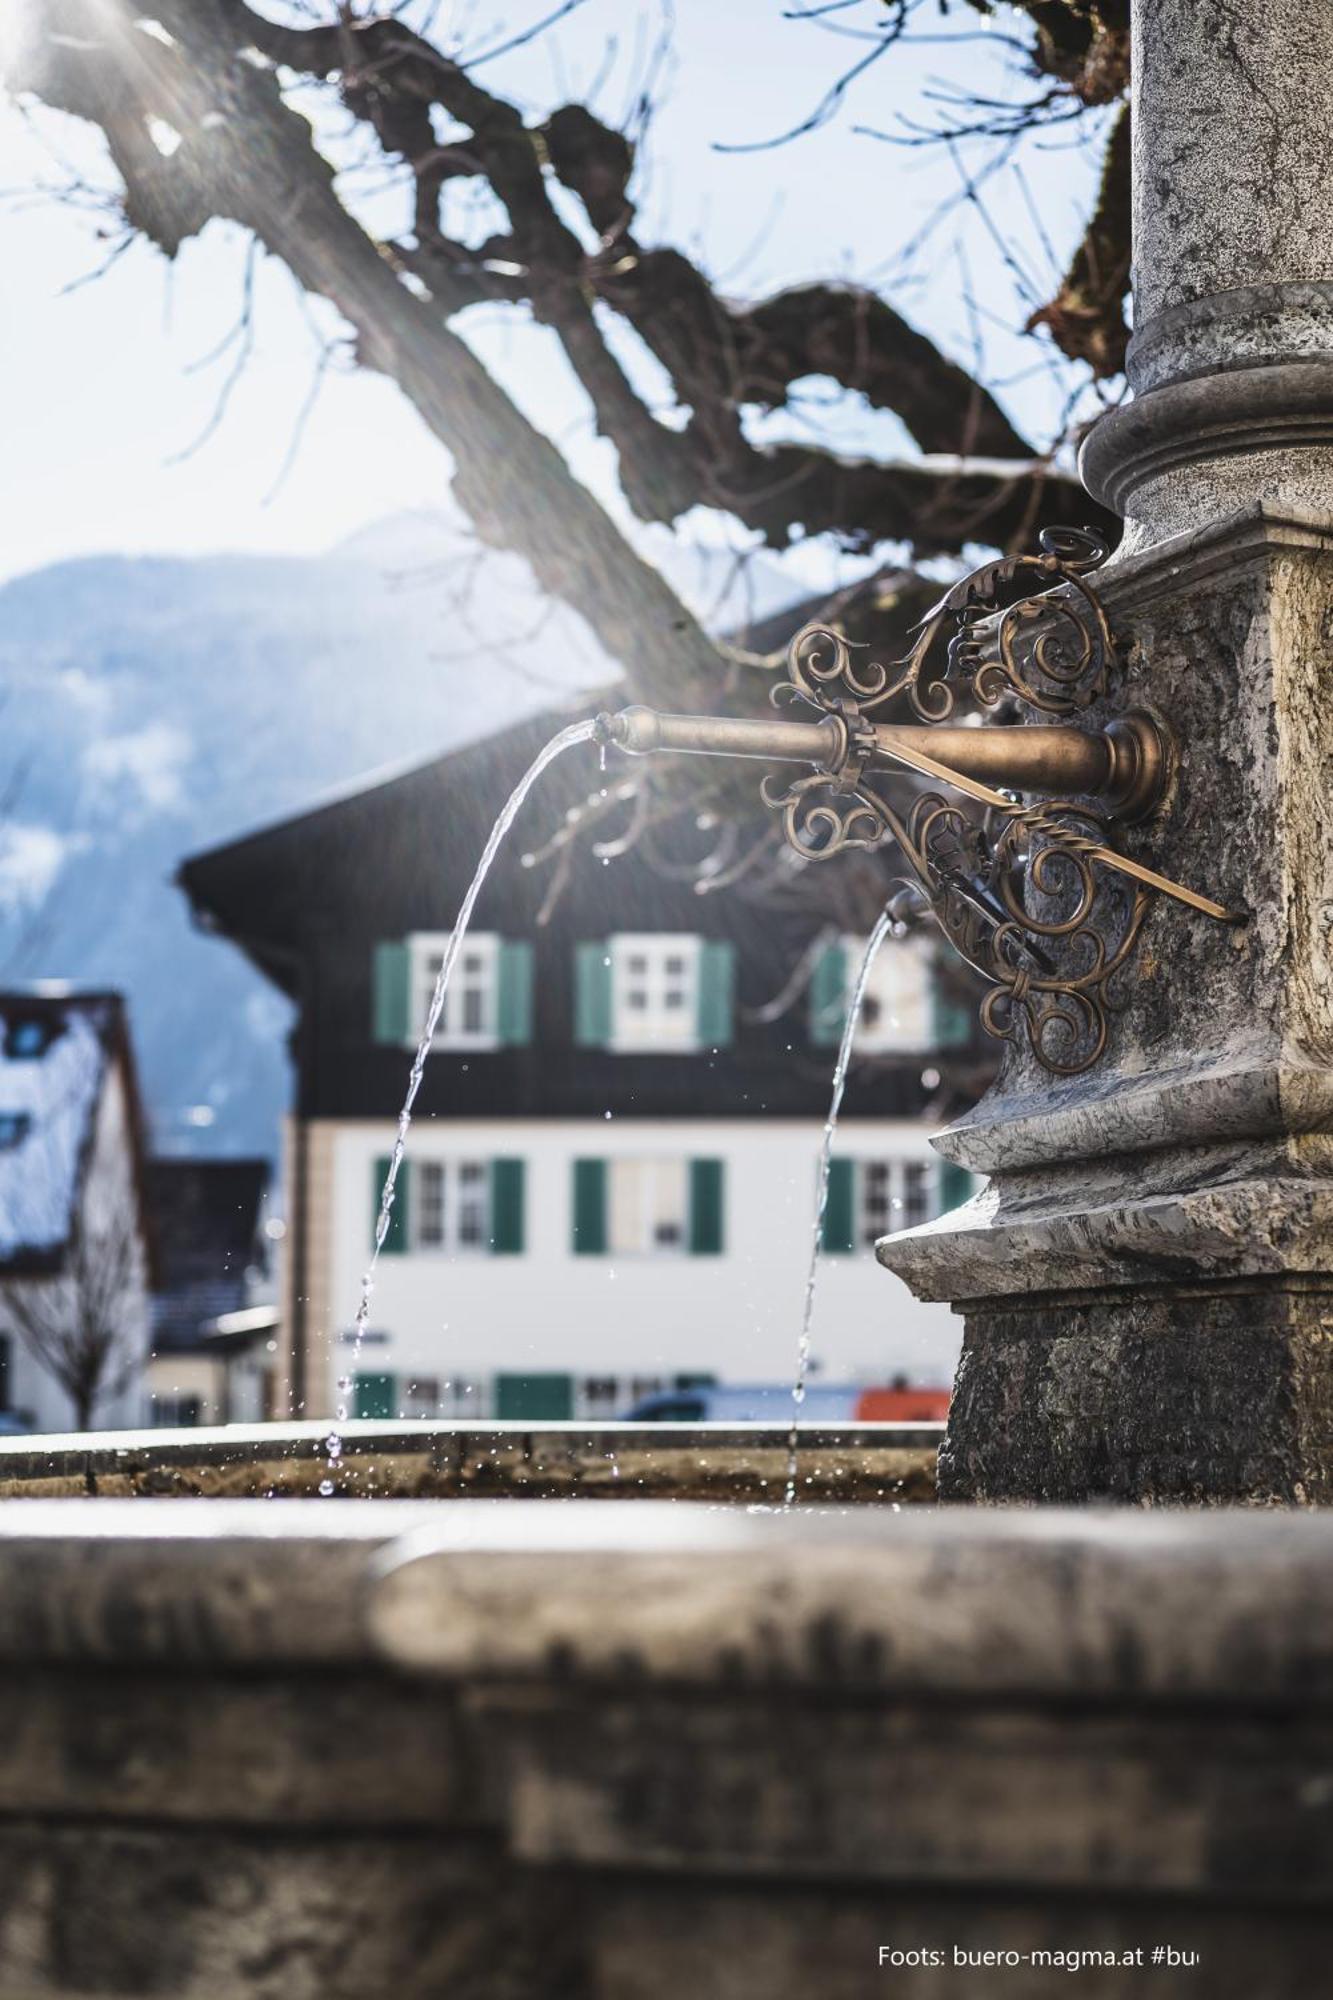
{"points": [[151, 761], [31, 857]]}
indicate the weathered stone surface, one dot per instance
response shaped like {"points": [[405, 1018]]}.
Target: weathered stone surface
{"points": [[1199, 1155], [532, 1752], [1186, 1394], [1117, 1605], [1187, 1804], [1232, 356], [272, 1747], [439, 1461]]}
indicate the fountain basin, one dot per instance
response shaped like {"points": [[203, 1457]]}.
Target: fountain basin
{"points": [[847, 1463], [552, 1750]]}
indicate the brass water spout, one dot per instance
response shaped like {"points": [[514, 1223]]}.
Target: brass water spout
{"points": [[1123, 765], [1034, 892]]}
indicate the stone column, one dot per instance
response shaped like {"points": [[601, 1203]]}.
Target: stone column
{"points": [[1147, 1281]]}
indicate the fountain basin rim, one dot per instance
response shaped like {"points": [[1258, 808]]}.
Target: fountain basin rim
{"points": [[106, 1451], [1170, 1607]]}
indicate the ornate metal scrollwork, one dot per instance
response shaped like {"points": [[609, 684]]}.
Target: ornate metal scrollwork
{"points": [[1051, 649], [1036, 896], [1020, 890]]}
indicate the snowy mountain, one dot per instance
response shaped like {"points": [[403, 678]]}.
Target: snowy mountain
{"points": [[152, 707]]}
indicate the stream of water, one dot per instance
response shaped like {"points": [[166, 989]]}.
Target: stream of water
{"points": [[577, 732], [583, 732], [876, 939]]}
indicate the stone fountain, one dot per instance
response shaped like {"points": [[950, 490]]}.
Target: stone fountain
{"points": [[550, 1749]]}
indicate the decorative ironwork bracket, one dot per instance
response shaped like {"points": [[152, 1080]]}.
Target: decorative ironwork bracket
{"points": [[1034, 895]]}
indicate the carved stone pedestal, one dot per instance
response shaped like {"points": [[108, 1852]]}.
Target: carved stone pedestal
{"points": [[1147, 1281]]}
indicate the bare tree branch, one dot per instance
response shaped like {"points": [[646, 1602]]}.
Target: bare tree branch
{"points": [[1086, 317]]}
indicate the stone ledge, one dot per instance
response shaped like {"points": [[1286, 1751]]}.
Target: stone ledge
{"points": [[1241, 1229], [1089, 1607]]}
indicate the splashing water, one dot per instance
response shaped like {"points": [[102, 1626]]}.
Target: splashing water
{"points": [[877, 937], [577, 732]]}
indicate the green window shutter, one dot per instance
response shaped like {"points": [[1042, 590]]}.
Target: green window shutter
{"points": [[592, 995], [706, 1229], [375, 1396], [535, 1398], [513, 1011], [717, 979], [828, 997], [390, 1014], [838, 1234], [507, 1205], [590, 1208], [396, 1240], [951, 1016], [956, 1186]]}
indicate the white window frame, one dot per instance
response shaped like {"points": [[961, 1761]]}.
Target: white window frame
{"points": [[455, 1199], [906, 1026], [425, 950], [903, 1171], [639, 962], [661, 1178]]}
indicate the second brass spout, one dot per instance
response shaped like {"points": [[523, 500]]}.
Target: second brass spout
{"points": [[1124, 765]]}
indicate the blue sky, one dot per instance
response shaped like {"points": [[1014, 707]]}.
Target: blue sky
{"points": [[103, 390]]}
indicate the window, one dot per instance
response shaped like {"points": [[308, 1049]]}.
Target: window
{"points": [[868, 1199], [421, 1396], [461, 1397], [175, 1412], [654, 991], [30, 1038], [14, 1127], [895, 1194], [598, 1396], [469, 1019], [453, 1205], [898, 1010], [446, 1206], [648, 1207]]}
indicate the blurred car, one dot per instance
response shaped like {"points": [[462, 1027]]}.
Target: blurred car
{"points": [[771, 1403]]}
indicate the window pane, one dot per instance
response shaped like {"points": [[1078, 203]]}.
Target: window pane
{"points": [[916, 1193], [430, 1204], [654, 992]]}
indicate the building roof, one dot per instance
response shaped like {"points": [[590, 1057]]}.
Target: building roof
{"points": [[309, 899], [206, 1217], [56, 1048]]}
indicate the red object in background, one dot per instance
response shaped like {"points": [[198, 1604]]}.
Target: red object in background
{"points": [[903, 1406]]}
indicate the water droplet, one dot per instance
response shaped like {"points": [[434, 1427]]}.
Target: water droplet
{"points": [[325, 1488]]}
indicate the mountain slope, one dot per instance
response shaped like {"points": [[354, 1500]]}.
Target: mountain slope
{"points": [[156, 706]]}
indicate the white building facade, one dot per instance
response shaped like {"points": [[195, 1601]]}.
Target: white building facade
{"points": [[610, 1180]]}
